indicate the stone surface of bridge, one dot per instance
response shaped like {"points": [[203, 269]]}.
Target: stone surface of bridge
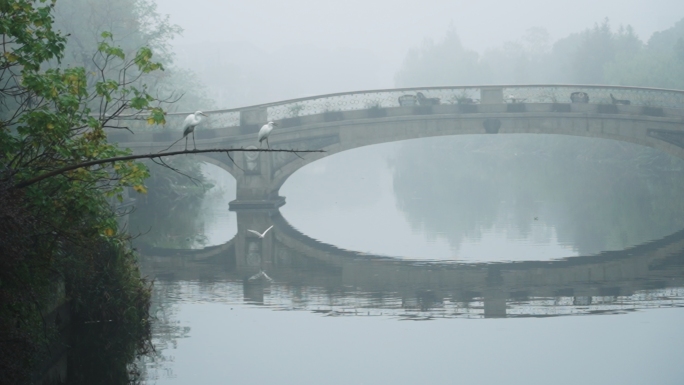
{"points": [[339, 122]]}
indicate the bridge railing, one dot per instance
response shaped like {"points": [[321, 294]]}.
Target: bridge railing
{"points": [[645, 97], [374, 99], [389, 98], [474, 95]]}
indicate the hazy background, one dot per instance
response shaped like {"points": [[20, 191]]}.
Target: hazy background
{"points": [[225, 55], [479, 198], [262, 51]]}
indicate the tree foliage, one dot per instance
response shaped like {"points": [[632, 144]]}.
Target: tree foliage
{"points": [[598, 55], [443, 63], [52, 116], [659, 63], [135, 24], [600, 46], [63, 122]]}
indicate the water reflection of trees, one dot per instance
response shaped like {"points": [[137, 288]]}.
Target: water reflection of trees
{"points": [[166, 331], [172, 195], [596, 194], [105, 353]]}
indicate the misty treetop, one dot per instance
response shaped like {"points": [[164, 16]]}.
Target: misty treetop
{"points": [[598, 55], [133, 24]]}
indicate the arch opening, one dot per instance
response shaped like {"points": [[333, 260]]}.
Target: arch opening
{"points": [[575, 210], [365, 133]]}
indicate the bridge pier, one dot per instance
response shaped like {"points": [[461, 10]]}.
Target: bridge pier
{"points": [[252, 253], [493, 296], [494, 303], [255, 183], [270, 202]]}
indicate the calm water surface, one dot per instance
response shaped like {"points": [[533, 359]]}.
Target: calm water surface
{"points": [[516, 278]]}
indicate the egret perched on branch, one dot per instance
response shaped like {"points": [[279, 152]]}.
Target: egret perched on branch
{"points": [[189, 127], [265, 131]]}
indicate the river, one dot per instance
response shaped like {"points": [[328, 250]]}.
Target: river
{"points": [[430, 262]]}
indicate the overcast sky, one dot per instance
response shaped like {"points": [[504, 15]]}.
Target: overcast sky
{"points": [[392, 26], [380, 32]]}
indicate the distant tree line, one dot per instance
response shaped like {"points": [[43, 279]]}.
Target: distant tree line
{"points": [[596, 194], [599, 55]]}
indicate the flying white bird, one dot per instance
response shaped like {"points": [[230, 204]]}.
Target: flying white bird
{"points": [[261, 274], [265, 131], [260, 235], [189, 124]]}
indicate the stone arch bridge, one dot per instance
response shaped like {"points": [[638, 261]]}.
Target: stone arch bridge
{"points": [[343, 121]]}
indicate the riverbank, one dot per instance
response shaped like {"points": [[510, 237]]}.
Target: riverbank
{"points": [[55, 281]]}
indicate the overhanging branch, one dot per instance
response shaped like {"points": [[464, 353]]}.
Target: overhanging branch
{"points": [[96, 162]]}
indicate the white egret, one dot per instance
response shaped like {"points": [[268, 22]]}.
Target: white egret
{"points": [[260, 235], [189, 124], [261, 274], [265, 131]]}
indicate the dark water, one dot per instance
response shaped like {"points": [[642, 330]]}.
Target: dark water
{"points": [[520, 267]]}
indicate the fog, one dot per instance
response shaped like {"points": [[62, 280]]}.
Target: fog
{"points": [[548, 208], [263, 51], [405, 219]]}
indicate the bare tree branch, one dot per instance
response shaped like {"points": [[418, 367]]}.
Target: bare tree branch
{"points": [[164, 164], [62, 170], [233, 160]]}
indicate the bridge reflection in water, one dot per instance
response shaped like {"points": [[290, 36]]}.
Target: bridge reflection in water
{"points": [[310, 275]]}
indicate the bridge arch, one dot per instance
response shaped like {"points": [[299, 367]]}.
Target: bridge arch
{"points": [[339, 122], [368, 132], [218, 161]]}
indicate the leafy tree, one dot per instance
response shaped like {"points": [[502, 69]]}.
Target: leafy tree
{"points": [[443, 63], [599, 55], [64, 226], [56, 125], [135, 24], [58, 175], [663, 41], [648, 69], [599, 47], [660, 63], [521, 62], [679, 49]]}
